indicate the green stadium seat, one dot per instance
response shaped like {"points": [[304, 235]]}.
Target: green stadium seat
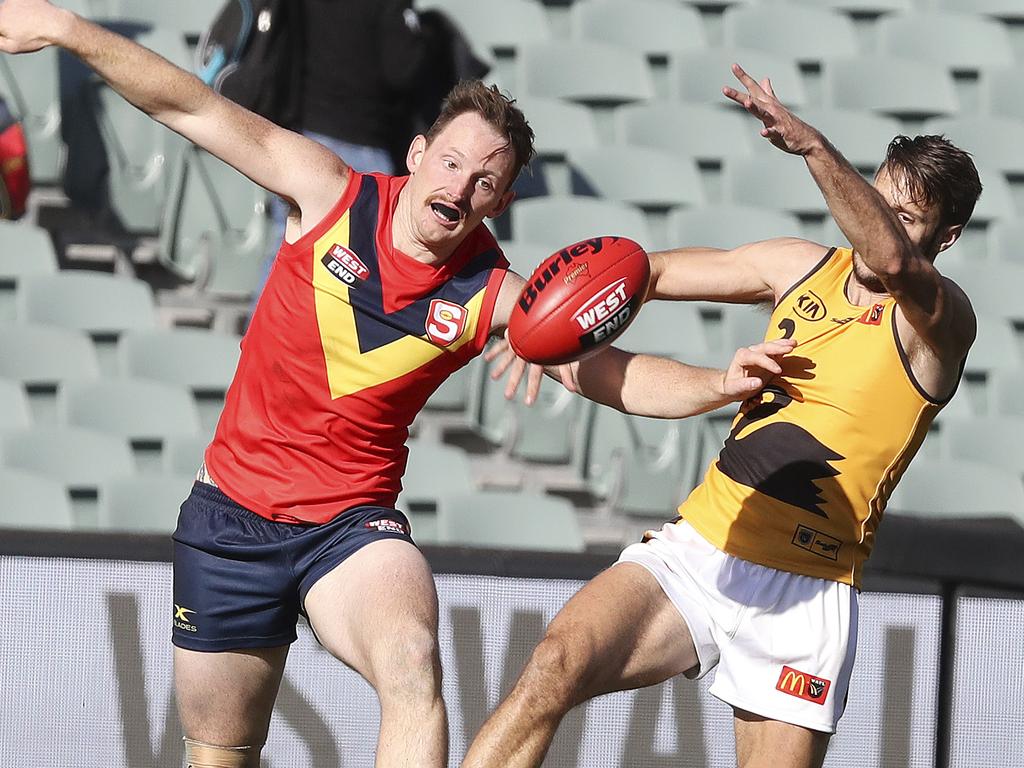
{"points": [[997, 200], [995, 86], [899, 87], [993, 287], [525, 255], [138, 503], [191, 17], [42, 356], [773, 180], [957, 488], [956, 41], [861, 136], [569, 219], [584, 72], [24, 250], [558, 125], [647, 178], [995, 142], [15, 413], [182, 454], [1006, 240], [31, 501], [699, 75], [798, 32], [650, 27], [496, 26], [1007, 385], [138, 410], [707, 133], [506, 520], [81, 459], [987, 440], [433, 470], [98, 304], [30, 85], [202, 361], [668, 328], [727, 226], [861, 8], [1005, 10]]}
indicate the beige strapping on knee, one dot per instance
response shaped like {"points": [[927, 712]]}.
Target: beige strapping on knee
{"points": [[200, 755]]}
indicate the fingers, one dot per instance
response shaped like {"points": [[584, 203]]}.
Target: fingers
{"points": [[748, 82], [533, 379], [518, 366]]}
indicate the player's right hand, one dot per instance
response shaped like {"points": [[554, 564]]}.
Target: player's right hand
{"points": [[27, 25], [753, 367]]}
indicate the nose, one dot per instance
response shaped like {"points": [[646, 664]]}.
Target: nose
{"points": [[460, 188]]}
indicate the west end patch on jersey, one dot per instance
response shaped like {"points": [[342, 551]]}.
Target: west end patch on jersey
{"points": [[365, 344]]}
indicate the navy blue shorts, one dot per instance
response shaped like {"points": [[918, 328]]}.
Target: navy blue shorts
{"points": [[240, 580]]}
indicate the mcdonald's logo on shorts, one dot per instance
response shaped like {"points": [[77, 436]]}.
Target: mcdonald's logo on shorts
{"points": [[802, 685]]}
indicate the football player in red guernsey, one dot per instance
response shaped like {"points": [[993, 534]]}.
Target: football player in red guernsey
{"points": [[382, 287]]}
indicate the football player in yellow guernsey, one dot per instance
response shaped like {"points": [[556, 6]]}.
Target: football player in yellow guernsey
{"points": [[759, 575]]}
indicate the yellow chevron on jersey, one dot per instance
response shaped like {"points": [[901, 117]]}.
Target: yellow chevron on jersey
{"points": [[350, 368], [807, 469]]}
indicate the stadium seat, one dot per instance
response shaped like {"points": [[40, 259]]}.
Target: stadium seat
{"points": [[699, 75], [29, 83], [433, 470], [1006, 240], [996, 83], [138, 410], [32, 501], [773, 180], [1006, 10], [900, 87], [505, 520], [142, 502], [862, 137], [993, 287], [640, 466], [647, 178], [862, 8], [707, 133], [668, 328], [496, 26], [81, 459], [988, 440], [584, 72], [524, 256], [24, 250], [650, 27], [743, 326], [956, 41], [956, 488], [42, 356], [727, 226], [1006, 387], [454, 393], [215, 228], [14, 409], [558, 125], [569, 219], [804, 34], [182, 454], [99, 304], [997, 199], [190, 17], [995, 142]]}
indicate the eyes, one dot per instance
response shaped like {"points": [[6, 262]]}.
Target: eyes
{"points": [[482, 182]]}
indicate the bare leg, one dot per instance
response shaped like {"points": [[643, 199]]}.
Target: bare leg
{"points": [[377, 612], [763, 743], [226, 698], [620, 631]]}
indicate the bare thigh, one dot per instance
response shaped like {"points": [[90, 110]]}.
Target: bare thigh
{"points": [[377, 611], [763, 743], [226, 698], [621, 631]]}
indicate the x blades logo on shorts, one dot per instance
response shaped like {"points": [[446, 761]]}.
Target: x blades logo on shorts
{"points": [[803, 685]]}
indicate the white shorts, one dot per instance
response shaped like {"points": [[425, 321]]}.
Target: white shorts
{"points": [[784, 644]]}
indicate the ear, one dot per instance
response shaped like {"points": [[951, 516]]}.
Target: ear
{"points": [[414, 156], [949, 236], [503, 203]]}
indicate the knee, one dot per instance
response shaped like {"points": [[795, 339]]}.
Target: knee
{"points": [[557, 671], [409, 668]]}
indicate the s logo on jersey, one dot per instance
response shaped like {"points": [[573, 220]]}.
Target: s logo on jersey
{"points": [[345, 265], [445, 321]]}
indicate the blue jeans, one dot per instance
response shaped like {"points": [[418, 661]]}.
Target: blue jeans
{"points": [[358, 156]]}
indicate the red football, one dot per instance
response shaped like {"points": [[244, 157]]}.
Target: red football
{"points": [[579, 299]]}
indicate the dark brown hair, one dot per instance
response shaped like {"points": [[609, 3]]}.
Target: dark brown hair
{"points": [[497, 109], [937, 172]]}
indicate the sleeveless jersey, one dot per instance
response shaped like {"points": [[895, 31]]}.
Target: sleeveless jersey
{"points": [[810, 462], [349, 339]]}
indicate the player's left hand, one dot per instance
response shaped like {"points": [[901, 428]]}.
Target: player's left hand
{"points": [[754, 366], [508, 360], [781, 127]]}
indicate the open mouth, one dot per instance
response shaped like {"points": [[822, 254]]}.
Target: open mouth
{"points": [[448, 214]]}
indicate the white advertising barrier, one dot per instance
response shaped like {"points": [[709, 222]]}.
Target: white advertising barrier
{"points": [[85, 679]]}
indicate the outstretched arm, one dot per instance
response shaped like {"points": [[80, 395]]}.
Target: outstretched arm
{"points": [[937, 310], [281, 161]]}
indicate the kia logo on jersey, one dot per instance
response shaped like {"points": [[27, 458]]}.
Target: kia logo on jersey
{"points": [[445, 321]]}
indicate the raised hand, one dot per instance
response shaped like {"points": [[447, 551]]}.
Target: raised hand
{"points": [[754, 366], [508, 360], [28, 25], [781, 127]]}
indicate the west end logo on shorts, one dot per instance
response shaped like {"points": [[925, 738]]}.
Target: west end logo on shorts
{"points": [[345, 265], [605, 313], [387, 525], [802, 685], [181, 619], [445, 321]]}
